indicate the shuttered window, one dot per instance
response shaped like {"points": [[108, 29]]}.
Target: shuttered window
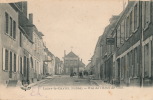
{"points": [[146, 13], [122, 67], [21, 65], [127, 26], [5, 59], [130, 24], [136, 16], [122, 31], [10, 61], [14, 62], [118, 36], [14, 29], [11, 33], [6, 22], [25, 68], [146, 61]]}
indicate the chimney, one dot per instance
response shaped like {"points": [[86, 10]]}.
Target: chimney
{"points": [[31, 18], [64, 53]]}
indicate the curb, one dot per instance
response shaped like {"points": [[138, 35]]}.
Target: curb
{"points": [[93, 82], [38, 82]]}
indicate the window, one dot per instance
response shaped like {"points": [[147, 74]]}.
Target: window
{"points": [[14, 62], [5, 59], [146, 14], [118, 36], [10, 61], [6, 23], [122, 31], [146, 60], [132, 62], [21, 65], [136, 16], [127, 27], [11, 33], [135, 62], [35, 65], [25, 66], [130, 24], [128, 64], [14, 29], [31, 62], [122, 67], [20, 39]]}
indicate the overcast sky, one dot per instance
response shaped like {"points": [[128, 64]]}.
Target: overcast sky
{"points": [[73, 23]]}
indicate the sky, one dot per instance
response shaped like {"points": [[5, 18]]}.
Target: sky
{"points": [[73, 24]]}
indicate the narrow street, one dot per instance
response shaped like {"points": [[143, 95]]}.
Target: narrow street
{"points": [[66, 80]]}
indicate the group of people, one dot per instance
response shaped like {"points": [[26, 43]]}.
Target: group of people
{"points": [[80, 74]]}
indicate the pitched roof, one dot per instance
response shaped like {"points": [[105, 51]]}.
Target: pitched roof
{"points": [[71, 54]]}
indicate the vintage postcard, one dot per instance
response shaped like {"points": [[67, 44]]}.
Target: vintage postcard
{"points": [[76, 50]]}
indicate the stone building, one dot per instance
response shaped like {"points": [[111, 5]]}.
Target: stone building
{"points": [[126, 46], [9, 43], [31, 43], [49, 63], [72, 63], [21, 46]]}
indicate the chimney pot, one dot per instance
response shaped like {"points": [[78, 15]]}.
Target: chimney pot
{"points": [[31, 18]]}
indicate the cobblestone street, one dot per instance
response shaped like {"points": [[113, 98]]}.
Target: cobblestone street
{"points": [[65, 80]]}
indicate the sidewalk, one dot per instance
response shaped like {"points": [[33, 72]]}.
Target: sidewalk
{"points": [[19, 84], [101, 83]]}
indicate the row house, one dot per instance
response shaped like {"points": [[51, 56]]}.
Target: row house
{"points": [[88, 68], [9, 43], [58, 66], [95, 60], [126, 46], [31, 44], [127, 35], [147, 43], [49, 63], [101, 61], [107, 49], [21, 46]]}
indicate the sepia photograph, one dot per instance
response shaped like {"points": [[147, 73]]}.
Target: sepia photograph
{"points": [[76, 50]]}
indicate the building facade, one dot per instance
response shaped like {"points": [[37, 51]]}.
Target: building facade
{"points": [[72, 64], [126, 46], [9, 43], [22, 50]]}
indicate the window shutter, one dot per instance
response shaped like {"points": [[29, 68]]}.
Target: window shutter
{"points": [[137, 14], [143, 10], [3, 59], [17, 63], [118, 36], [22, 59], [122, 32], [148, 12], [133, 20], [12, 62]]}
